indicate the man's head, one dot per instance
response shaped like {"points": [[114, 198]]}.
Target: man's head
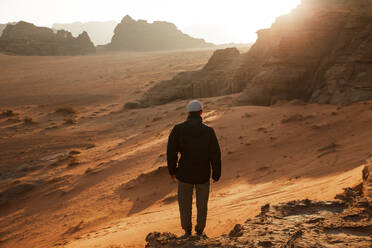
{"points": [[195, 108]]}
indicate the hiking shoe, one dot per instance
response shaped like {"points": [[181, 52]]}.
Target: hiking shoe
{"points": [[199, 232], [186, 235]]}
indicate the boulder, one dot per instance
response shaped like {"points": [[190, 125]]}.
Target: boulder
{"points": [[131, 35], [27, 39]]}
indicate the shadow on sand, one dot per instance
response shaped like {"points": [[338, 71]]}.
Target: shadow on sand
{"points": [[147, 189]]}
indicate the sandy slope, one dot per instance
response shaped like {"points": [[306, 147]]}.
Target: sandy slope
{"points": [[109, 191]]}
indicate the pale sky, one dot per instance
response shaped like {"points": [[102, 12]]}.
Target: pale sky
{"points": [[218, 21]]}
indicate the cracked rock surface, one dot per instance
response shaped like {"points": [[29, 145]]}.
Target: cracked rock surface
{"points": [[344, 222]]}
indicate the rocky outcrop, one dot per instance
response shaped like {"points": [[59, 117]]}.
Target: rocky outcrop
{"points": [[215, 79], [367, 181], [321, 52], [345, 222], [27, 39], [2, 27], [131, 35], [99, 32]]}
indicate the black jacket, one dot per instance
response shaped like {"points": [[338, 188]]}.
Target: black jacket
{"points": [[200, 152]]}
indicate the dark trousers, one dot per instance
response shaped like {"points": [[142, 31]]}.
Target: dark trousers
{"points": [[185, 193]]}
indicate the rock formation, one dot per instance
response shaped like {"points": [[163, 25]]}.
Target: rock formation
{"points": [[131, 35], [367, 181], [321, 52], [216, 78], [2, 27], [27, 39], [99, 32], [344, 222]]}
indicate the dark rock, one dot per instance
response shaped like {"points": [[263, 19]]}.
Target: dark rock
{"points": [[237, 231], [7, 113], [27, 39], [265, 209], [367, 181], [131, 35], [265, 243], [74, 152]]}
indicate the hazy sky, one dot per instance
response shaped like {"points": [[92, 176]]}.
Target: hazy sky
{"points": [[219, 21]]}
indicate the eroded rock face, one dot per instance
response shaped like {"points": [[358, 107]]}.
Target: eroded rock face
{"points": [[131, 35], [367, 181], [321, 52], [215, 79], [342, 223], [27, 39], [2, 27]]}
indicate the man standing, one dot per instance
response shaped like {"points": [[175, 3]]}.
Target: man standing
{"points": [[200, 153]]}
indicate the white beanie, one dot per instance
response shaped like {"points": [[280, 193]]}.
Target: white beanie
{"points": [[194, 106]]}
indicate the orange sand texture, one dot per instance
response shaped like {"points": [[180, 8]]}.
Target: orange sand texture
{"points": [[95, 174]]}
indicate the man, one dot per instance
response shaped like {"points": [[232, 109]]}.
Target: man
{"points": [[200, 153]]}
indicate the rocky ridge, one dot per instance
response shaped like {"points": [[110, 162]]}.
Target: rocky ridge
{"points": [[27, 39], [344, 222], [131, 35], [320, 52]]}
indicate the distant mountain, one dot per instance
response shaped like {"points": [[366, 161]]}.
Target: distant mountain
{"points": [[25, 38], [131, 35], [99, 32]]}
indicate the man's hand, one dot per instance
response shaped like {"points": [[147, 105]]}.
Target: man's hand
{"points": [[174, 178]]}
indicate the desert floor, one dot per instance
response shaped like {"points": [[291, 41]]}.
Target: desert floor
{"points": [[96, 178]]}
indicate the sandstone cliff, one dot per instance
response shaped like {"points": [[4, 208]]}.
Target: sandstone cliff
{"points": [[99, 32], [131, 35], [27, 39], [321, 52], [215, 79]]}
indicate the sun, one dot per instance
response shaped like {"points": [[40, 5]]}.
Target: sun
{"points": [[261, 14], [234, 21]]}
